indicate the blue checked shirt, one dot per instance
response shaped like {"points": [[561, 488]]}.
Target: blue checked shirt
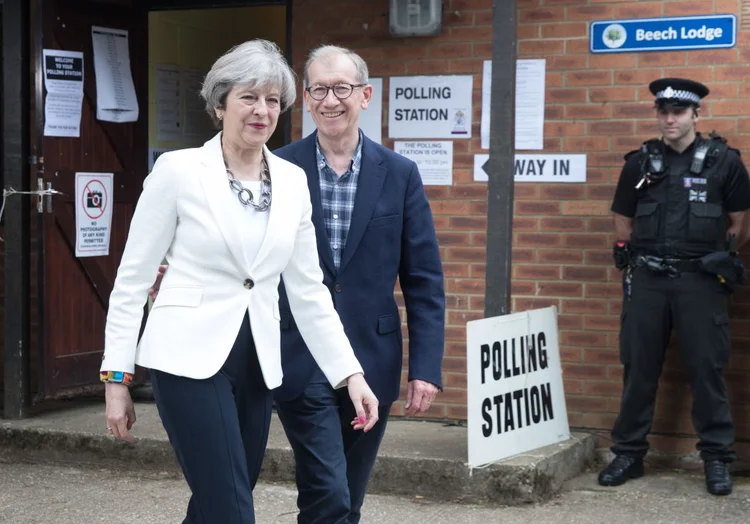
{"points": [[337, 198]]}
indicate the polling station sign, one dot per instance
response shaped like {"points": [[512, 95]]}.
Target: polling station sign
{"points": [[515, 388], [430, 106], [663, 34]]}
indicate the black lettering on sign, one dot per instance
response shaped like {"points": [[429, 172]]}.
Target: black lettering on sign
{"points": [[533, 405], [484, 357], [422, 113], [529, 167], [561, 167], [514, 357], [487, 426]]}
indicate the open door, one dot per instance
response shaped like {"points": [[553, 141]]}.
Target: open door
{"points": [[75, 291]]}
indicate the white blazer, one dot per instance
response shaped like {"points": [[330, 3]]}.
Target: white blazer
{"points": [[185, 214]]}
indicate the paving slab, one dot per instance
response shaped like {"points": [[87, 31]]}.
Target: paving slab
{"points": [[417, 458]]}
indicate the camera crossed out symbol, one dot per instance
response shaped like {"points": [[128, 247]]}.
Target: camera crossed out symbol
{"points": [[94, 202]]}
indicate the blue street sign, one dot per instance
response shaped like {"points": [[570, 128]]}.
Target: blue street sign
{"points": [[663, 34]]}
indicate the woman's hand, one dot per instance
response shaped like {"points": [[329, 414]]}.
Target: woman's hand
{"points": [[365, 402], [120, 413]]}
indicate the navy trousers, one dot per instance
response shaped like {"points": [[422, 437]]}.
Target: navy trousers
{"points": [[334, 462], [218, 428]]}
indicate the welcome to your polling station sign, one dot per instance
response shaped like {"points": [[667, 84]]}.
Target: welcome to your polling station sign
{"points": [[663, 34], [515, 387]]}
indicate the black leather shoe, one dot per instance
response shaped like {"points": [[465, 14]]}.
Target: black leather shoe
{"points": [[620, 470], [718, 480]]}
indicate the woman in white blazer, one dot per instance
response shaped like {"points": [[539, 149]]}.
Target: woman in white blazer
{"points": [[230, 218]]}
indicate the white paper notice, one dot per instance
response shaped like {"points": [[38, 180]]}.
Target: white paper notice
{"points": [[115, 93], [94, 201], [168, 121], [530, 82], [197, 125], [539, 168], [63, 78], [370, 119], [434, 160], [529, 118], [430, 106]]}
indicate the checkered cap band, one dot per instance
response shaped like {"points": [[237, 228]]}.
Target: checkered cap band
{"points": [[679, 94]]}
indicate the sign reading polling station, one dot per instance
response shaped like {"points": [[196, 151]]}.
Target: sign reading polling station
{"points": [[515, 387], [430, 106]]}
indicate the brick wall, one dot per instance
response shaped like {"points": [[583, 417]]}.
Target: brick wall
{"points": [[595, 104]]}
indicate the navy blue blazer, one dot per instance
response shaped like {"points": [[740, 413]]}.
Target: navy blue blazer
{"points": [[391, 235]]}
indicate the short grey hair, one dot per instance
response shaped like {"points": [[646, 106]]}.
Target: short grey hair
{"points": [[326, 52], [253, 64]]}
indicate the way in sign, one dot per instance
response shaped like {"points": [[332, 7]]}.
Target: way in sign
{"points": [[536, 167]]}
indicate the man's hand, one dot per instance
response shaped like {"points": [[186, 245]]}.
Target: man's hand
{"points": [[419, 396], [153, 291]]}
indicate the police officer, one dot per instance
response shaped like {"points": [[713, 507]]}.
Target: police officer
{"points": [[679, 209]]}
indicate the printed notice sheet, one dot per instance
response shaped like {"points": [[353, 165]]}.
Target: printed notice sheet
{"points": [[94, 201], [63, 78], [434, 160], [115, 93], [529, 117]]}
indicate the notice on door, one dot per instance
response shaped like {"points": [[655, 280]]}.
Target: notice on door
{"points": [[115, 91], [94, 201], [63, 78]]}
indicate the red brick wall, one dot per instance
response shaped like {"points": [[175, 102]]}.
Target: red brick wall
{"points": [[595, 104]]}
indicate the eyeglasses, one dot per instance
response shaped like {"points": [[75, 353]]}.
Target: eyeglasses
{"points": [[340, 91]]}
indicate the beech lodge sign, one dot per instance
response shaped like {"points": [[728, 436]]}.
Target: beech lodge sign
{"points": [[663, 34]]}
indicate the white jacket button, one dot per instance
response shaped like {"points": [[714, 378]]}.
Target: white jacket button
{"points": [[249, 284]]}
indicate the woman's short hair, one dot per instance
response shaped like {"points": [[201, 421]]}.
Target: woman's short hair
{"points": [[253, 64], [326, 52]]}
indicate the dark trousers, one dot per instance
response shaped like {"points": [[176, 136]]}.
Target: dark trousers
{"points": [[218, 428], [695, 305], [334, 462]]}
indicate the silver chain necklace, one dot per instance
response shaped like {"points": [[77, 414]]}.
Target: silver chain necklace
{"points": [[245, 196]]}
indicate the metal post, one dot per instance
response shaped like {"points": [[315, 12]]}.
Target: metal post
{"points": [[499, 167], [16, 114]]}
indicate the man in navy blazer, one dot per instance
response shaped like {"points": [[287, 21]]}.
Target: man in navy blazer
{"points": [[373, 226]]}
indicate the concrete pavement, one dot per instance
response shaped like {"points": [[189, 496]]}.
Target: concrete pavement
{"points": [[30, 494], [421, 458]]}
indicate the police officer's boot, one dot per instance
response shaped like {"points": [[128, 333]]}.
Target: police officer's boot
{"points": [[620, 470], [718, 479]]}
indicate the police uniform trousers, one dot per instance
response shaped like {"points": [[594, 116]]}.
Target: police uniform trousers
{"points": [[695, 305], [218, 428]]}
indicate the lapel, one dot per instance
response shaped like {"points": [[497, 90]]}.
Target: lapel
{"points": [[215, 187], [279, 201], [306, 159], [370, 184]]}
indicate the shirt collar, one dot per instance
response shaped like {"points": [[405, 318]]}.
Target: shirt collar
{"points": [[355, 164]]}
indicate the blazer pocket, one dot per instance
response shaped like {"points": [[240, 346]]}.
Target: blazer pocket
{"points": [[384, 221], [388, 324], [187, 296]]}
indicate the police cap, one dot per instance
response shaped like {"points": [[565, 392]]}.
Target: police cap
{"points": [[677, 92]]}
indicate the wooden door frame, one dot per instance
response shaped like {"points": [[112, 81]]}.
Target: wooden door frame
{"points": [[172, 5], [16, 142], [17, 148]]}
